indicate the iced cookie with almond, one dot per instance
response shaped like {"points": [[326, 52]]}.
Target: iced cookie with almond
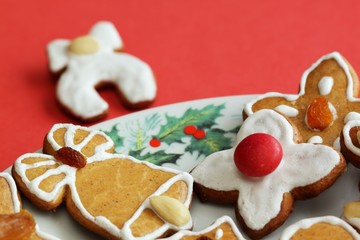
{"points": [[114, 195], [266, 171], [328, 93], [15, 222], [89, 62], [326, 227]]}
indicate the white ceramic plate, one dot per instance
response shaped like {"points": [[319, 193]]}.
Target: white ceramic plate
{"points": [[139, 134]]}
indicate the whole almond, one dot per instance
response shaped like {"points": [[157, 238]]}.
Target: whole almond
{"points": [[170, 210], [84, 45]]}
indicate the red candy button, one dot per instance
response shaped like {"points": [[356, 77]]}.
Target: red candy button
{"points": [[258, 154]]}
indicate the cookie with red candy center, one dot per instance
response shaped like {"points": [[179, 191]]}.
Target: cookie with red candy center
{"points": [[264, 202]]}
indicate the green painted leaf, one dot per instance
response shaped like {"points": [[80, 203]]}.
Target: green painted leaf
{"points": [[214, 141], [203, 118], [114, 135], [158, 158]]}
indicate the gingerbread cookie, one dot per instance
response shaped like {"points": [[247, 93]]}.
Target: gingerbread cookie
{"points": [[266, 171], [350, 139], [223, 228], [327, 227], [351, 214], [113, 195], [16, 223], [92, 61], [327, 95]]}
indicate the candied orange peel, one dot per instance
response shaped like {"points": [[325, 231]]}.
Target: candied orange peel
{"points": [[17, 226], [319, 115]]}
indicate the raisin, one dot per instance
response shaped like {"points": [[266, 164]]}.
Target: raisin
{"points": [[70, 157]]}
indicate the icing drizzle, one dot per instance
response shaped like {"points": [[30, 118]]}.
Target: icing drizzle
{"points": [[216, 225]]}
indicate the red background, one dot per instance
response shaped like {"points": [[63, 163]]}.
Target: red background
{"points": [[197, 49]]}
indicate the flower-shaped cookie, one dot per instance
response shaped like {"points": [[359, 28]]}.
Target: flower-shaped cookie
{"points": [[107, 193], [16, 223], [93, 61], [223, 228], [327, 94], [263, 203]]}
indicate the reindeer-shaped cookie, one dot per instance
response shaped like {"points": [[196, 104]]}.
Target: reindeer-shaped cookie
{"points": [[89, 62], [328, 91], [113, 195], [16, 223]]}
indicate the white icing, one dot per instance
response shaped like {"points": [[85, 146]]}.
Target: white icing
{"points": [[287, 110], [351, 116], [337, 144], [44, 236], [315, 139], [354, 222], [219, 234], [13, 189], [347, 139], [308, 222], [325, 85], [70, 179], [216, 224], [76, 86], [260, 198]]}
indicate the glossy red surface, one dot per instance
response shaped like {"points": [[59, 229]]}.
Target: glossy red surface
{"points": [[197, 49]]}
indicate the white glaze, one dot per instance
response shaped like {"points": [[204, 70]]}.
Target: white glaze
{"points": [[76, 86], [315, 139], [355, 222], [347, 139], [216, 224], [70, 179], [287, 110], [308, 222], [219, 234], [325, 85], [14, 192], [351, 116], [260, 198]]}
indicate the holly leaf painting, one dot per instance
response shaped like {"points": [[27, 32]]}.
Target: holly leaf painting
{"points": [[173, 130], [214, 141], [114, 135], [158, 158]]}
